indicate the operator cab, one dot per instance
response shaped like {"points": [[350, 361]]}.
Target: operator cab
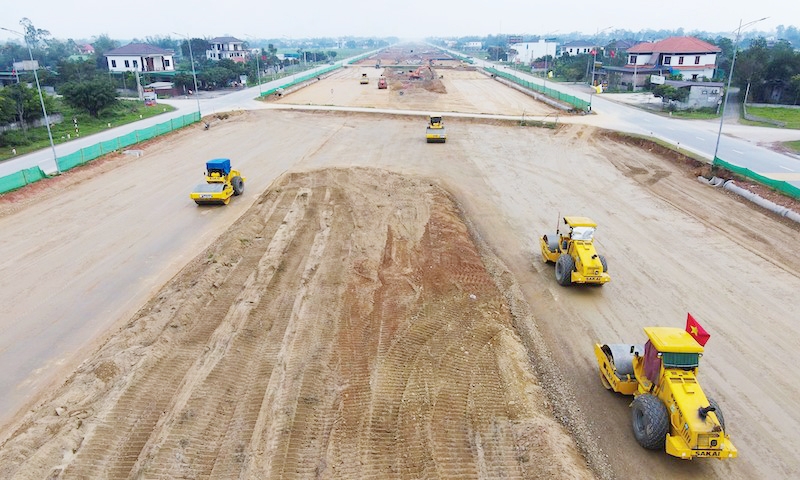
{"points": [[582, 233], [672, 348]]}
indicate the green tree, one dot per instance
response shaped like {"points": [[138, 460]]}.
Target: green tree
{"points": [[34, 36], [8, 109], [11, 52], [497, 53], [24, 102], [184, 80], [668, 93], [76, 71], [794, 88], [167, 43], [58, 51], [199, 47], [103, 44], [783, 64], [216, 77], [571, 68], [234, 67], [93, 95]]}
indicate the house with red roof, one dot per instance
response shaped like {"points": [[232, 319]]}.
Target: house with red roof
{"points": [[690, 57]]}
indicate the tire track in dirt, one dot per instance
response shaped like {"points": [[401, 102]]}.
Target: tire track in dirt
{"points": [[291, 428], [223, 379], [350, 330], [116, 445]]}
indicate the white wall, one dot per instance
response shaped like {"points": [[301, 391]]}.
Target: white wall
{"points": [[158, 63], [529, 51]]}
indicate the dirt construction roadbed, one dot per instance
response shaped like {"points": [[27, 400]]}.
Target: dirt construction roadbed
{"points": [[376, 307], [344, 327]]}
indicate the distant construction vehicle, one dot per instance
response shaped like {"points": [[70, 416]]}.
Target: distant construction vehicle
{"points": [[222, 182], [418, 73], [573, 252], [435, 133], [364, 79], [382, 83], [669, 409]]}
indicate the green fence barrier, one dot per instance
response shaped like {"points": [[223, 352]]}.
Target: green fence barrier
{"points": [[552, 93], [300, 80], [68, 162], [779, 185], [20, 179]]}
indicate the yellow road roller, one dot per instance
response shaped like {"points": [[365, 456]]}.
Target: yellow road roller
{"points": [[222, 183], [669, 411]]}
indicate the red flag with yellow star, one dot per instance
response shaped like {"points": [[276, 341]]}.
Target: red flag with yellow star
{"points": [[696, 331]]}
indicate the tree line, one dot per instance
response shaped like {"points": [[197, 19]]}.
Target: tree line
{"points": [[767, 71], [84, 82]]}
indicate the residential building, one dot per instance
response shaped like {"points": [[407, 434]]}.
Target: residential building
{"points": [[140, 57], [527, 52], [690, 57], [472, 45], [86, 49], [578, 47], [227, 47]]}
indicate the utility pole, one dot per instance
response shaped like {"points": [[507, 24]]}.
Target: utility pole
{"points": [[730, 76], [194, 73], [41, 98]]}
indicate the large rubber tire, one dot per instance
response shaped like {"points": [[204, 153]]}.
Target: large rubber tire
{"points": [[718, 411], [603, 261], [565, 265], [650, 421], [238, 185]]}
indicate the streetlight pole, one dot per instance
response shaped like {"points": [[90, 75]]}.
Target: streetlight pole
{"points": [[730, 77], [41, 98], [194, 74]]}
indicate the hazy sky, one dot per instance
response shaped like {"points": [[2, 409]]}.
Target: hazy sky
{"points": [[84, 19]]}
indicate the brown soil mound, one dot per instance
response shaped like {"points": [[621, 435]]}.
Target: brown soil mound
{"points": [[345, 327]]}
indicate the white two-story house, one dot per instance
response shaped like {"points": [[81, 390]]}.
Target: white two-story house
{"points": [[226, 47], [579, 47], [692, 58], [140, 57], [527, 52], [688, 56]]}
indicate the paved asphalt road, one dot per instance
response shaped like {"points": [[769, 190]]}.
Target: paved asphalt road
{"points": [[209, 102]]}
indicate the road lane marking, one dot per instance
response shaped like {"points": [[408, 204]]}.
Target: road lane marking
{"points": [[786, 168], [737, 151]]}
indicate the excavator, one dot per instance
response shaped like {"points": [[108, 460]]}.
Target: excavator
{"points": [[417, 74]]}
